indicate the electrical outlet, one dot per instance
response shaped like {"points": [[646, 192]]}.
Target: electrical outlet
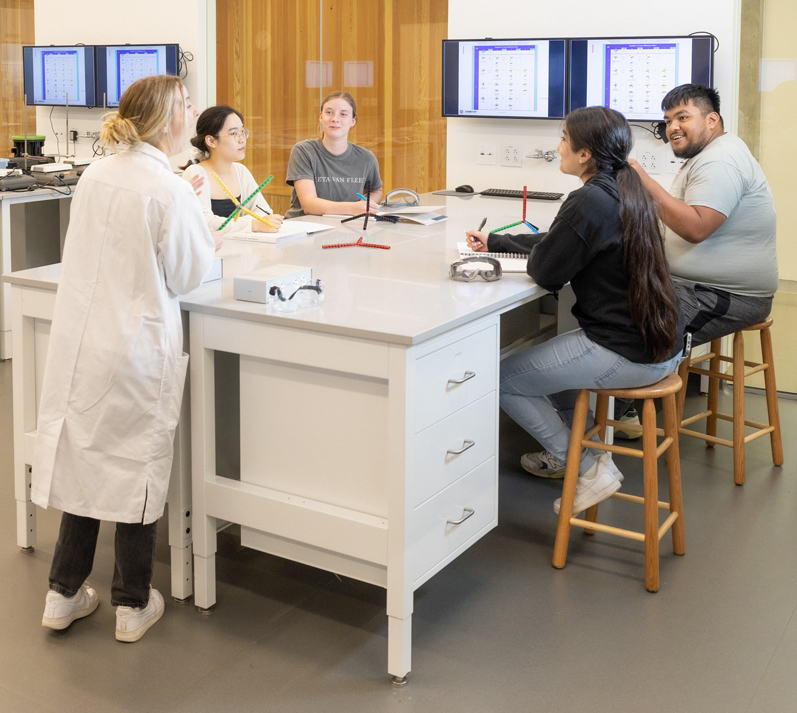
{"points": [[485, 154], [672, 164], [650, 161], [512, 156]]}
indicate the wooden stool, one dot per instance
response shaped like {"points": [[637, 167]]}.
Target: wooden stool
{"points": [[664, 390], [741, 370]]}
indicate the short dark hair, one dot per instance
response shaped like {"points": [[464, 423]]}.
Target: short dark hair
{"points": [[704, 98]]}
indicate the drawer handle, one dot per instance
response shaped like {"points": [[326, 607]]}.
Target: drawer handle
{"points": [[465, 446], [468, 375], [466, 513]]}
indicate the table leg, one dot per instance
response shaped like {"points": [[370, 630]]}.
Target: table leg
{"points": [[5, 288], [24, 397], [203, 463], [399, 648]]}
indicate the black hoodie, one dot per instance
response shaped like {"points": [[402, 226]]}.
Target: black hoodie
{"points": [[584, 246]]}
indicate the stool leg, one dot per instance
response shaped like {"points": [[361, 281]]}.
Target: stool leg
{"points": [[713, 390], [650, 464], [674, 474], [683, 372], [601, 414], [772, 397], [571, 476], [738, 408]]}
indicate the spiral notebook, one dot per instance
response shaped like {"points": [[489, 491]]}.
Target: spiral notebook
{"points": [[510, 262]]}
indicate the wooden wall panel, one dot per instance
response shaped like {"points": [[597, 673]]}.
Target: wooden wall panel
{"points": [[16, 29], [267, 48]]}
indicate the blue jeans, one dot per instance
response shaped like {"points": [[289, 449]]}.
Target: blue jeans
{"points": [[539, 386], [134, 550]]}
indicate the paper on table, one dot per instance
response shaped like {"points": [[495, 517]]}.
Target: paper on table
{"points": [[289, 230], [510, 262]]}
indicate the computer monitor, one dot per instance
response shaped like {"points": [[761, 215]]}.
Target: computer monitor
{"points": [[118, 66], [632, 74], [57, 75], [506, 79]]}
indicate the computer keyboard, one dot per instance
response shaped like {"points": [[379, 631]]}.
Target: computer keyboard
{"points": [[510, 193]]}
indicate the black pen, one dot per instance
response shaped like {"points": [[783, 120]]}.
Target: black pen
{"points": [[482, 224]]}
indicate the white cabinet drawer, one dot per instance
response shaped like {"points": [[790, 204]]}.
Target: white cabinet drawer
{"points": [[454, 376], [435, 539], [434, 464]]}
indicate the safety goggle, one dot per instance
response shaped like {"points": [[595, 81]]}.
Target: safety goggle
{"points": [[471, 268], [305, 296]]}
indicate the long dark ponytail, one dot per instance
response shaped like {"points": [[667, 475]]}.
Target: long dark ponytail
{"points": [[652, 300]]}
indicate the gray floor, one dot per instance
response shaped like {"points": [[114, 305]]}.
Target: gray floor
{"points": [[498, 630]]}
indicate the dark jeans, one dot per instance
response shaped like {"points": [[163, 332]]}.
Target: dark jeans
{"points": [[134, 550], [719, 320]]}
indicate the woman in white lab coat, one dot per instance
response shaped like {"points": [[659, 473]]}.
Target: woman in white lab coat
{"points": [[115, 369]]}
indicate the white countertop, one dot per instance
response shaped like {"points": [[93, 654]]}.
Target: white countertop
{"points": [[402, 295]]}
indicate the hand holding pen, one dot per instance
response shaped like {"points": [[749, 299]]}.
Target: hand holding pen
{"points": [[477, 240]]}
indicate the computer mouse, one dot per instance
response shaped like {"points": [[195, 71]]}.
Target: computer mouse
{"points": [[465, 188]]}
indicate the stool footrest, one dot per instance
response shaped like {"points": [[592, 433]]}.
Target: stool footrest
{"points": [[622, 532], [608, 529], [637, 499], [625, 450]]}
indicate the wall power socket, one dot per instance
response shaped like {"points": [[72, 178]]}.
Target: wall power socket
{"points": [[255, 286]]}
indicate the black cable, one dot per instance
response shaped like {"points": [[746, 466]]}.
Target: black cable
{"points": [[57, 143], [715, 40], [639, 126], [183, 58]]}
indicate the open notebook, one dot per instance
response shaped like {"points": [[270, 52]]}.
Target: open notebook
{"points": [[510, 262], [290, 230]]}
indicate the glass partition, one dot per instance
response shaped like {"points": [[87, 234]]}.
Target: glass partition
{"points": [[276, 60]]}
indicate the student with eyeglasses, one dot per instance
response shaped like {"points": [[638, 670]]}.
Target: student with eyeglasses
{"points": [[327, 173], [218, 147]]}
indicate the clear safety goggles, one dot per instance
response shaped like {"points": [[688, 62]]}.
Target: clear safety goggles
{"points": [[471, 268], [305, 296]]}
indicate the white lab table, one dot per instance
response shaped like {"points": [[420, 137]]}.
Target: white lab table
{"points": [[369, 425], [14, 233]]}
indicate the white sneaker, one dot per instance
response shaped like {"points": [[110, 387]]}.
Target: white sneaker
{"points": [[631, 418], [544, 464], [61, 611], [597, 484], [133, 623], [609, 462]]}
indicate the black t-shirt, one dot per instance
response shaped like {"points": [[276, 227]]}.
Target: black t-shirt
{"points": [[584, 247]]}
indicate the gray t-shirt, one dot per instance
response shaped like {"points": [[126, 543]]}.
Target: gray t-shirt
{"points": [[740, 256], [337, 178]]}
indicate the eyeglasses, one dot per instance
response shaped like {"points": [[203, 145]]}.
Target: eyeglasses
{"points": [[240, 134], [304, 296], [488, 268]]}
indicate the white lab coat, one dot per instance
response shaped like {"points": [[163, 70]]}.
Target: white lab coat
{"points": [[115, 369]]}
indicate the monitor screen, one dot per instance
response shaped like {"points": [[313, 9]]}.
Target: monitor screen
{"points": [[632, 75], [118, 66], [508, 79], [55, 76]]}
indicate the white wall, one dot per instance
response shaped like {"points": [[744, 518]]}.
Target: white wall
{"points": [[96, 22], [469, 19]]}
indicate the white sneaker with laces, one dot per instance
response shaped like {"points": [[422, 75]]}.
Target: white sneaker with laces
{"points": [[544, 464], [609, 462], [132, 623], [61, 611], [597, 484]]}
